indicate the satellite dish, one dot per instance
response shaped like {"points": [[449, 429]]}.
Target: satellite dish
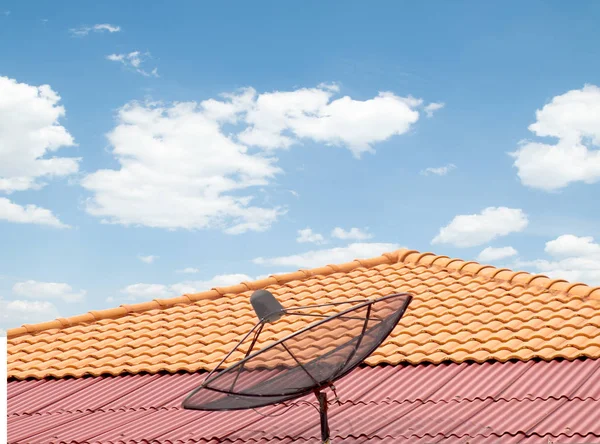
{"points": [[307, 360]]}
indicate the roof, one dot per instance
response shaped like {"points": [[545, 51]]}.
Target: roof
{"points": [[461, 311], [525, 402]]}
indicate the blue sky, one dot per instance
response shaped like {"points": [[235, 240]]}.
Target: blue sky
{"points": [[196, 137]]}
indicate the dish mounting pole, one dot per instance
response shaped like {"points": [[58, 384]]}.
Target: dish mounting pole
{"points": [[322, 398]]}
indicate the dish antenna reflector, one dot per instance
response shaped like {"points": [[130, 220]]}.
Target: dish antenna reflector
{"points": [[307, 360]]}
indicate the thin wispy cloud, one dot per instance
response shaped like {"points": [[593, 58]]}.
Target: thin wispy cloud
{"points": [[134, 60], [144, 291], [337, 255], [438, 171], [351, 234], [148, 259], [189, 270], [432, 107], [84, 30], [307, 235], [48, 290]]}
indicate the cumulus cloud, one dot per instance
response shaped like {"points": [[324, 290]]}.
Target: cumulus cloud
{"points": [[179, 169], [470, 230], [101, 27], [492, 254], [307, 235], [573, 258], [438, 171], [317, 258], [280, 119], [30, 134], [148, 259], [432, 107], [573, 119], [29, 214], [48, 290], [569, 245], [143, 291], [351, 234], [18, 312], [134, 60]]}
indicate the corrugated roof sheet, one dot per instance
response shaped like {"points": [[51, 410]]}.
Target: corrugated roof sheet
{"points": [[461, 311], [528, 402]]}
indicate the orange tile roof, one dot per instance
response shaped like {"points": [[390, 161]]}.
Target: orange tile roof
{"points": [[461, 311]]}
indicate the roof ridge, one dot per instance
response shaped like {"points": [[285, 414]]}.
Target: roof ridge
{"points": [[403, 255]]}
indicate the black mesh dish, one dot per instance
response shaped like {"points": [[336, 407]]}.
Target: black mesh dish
{"points": [[306, 360]]}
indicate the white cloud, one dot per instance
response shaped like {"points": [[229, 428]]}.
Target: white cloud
{"points": [[189, 270], [48, 290], [333, 87], [148, 259], [16, 313], [264, 276], [106, 27], [491, 254], [222, 280], [143, 291], [476, 229], [180, 170], [317, 258], [352, 234], [432, 107], [29, 132], [571, 269], [574, 119], [147, 291], [280, 119], [569, 245], [29, 214], [134, 60], [576, 259], [438, 171], [102, 27], [307, 235]]}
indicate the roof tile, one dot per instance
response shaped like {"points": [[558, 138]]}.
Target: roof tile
{"points": [[450, 403], [461, 311]]}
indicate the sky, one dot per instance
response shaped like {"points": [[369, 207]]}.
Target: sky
{"points": [[151, 149]]}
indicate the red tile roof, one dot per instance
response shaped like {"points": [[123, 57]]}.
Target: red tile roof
{"points": [[468, 402], [462, 313]]}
